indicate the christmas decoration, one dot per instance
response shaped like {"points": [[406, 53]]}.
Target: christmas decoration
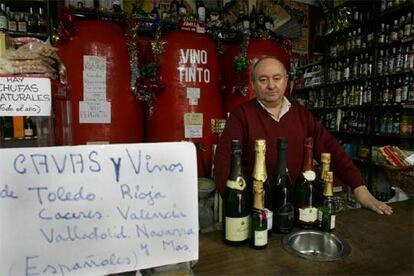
{"points": [[132, 25], [240, 66], [66, 28]]}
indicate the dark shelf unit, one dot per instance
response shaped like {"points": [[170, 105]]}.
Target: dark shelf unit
{"points": [[371, 137]]}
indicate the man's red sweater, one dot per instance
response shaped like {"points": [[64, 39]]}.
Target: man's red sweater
{"points": [[249, 122]]}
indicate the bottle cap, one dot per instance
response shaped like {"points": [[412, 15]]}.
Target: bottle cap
{"points": [[325, 157], [260, 145], [309, 142], [236, 146], [282, 142]]}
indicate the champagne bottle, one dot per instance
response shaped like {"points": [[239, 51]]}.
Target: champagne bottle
{"points": [[259, 218], [306, 214], [236, 202], [283, 210], [326, 161], [326, 212]]}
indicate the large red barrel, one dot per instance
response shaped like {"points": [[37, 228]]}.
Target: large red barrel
{"points": [[257, 48], [111, 112], [191, 98]]}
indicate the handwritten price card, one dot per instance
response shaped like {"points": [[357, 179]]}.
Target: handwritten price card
{"points": [[95, 210], [25, 96]]}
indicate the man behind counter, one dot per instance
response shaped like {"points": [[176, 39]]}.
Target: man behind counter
{"points": [[272, 115]]}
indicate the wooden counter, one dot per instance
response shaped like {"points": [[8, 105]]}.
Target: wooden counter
{"points": [[380, 245]]}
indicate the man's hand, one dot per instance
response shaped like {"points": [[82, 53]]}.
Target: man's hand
{"points": [[367, 200]]}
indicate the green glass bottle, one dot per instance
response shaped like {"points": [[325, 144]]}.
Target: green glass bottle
{"points": [[236, 207], [259, 226], [326, 161], [326, 212]]}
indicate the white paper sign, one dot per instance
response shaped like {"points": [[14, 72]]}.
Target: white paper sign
{"points": [[94, 86], [25, 96], [193, 94], [94, 63], [95, 210], [94, 112]]}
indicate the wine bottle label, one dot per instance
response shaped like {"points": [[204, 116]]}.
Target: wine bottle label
{"points": [[237, 229], [332, 225], [308, 214], [269, 215], [309, 175], [28, 132], [260, 238], [238, 184]]}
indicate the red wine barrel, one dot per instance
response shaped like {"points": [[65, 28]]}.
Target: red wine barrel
{"points": [[191, 98], [103, 39], [257, 48]]}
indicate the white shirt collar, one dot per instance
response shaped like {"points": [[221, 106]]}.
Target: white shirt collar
{"points": [[285, 108]]}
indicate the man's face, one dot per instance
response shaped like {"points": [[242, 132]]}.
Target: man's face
{"points": [[270, 82]]}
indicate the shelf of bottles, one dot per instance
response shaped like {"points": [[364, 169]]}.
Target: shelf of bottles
{"points": [[24, 19]]}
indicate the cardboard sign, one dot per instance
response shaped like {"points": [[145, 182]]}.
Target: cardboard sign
{"points": [[25, 96], [95, 210]]}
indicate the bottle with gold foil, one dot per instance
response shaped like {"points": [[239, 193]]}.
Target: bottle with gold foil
{"points": [[259, 225], [326, 162], [326, 212], [236, 207]]}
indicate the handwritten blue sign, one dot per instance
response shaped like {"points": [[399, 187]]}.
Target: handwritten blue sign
{"points": [[97, 210]]}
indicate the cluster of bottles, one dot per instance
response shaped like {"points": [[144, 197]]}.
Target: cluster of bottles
{"points": [[396, 90], [256, 20], [23, 22], [354, 41], [351, 69], [395, 60], [346, 121], [390, 4], [400, 29], [277, 206], [178, 10], [17, 127], [394, 123], [359, 121]]}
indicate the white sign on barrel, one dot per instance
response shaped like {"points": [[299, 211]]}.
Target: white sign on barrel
{"points": [[97, 209], [25, 96]]}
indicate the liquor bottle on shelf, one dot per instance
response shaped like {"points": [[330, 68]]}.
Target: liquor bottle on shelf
{"points": [[28, 128], [42, 25], [154, 13], [243, 22], [325, 164], [327, 211], [3, 18], [12, 25], [7, 128], [259, 226], [18, 127], [182, 9], [201, 11], [306, 214], [236, 207], [283, 209], [32, 26], [21, 24], [253, 19]]}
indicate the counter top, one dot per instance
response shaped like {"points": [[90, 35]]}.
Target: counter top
{"points": [[380, 245]]}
